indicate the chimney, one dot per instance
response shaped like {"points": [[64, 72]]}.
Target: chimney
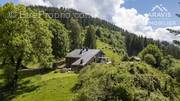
{"points": [[81, 52], [81, 62]]}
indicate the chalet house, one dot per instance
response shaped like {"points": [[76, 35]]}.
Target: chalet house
{"points": [[79, 58]]}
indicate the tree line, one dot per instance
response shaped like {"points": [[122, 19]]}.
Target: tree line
{"points": [[133, 43]]}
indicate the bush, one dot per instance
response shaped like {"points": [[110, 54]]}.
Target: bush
{"points": [[123, 82], [149, 59], [153, 50], [178, 75], [125, 57], [166, 63]]}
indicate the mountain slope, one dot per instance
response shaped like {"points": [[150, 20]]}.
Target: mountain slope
{"points": [[134, 44]]}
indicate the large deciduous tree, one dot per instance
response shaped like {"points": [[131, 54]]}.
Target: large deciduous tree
{"points": [[24, 35], [90, 39], [60, 40], [75, 35]]}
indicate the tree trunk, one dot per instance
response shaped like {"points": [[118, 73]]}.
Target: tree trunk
{"points": [[18, 64]]}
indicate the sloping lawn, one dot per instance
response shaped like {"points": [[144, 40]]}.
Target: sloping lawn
{"points": [[49, 87], [109, 51]]}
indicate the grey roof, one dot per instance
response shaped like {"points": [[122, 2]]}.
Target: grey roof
{"points": [[86, 56]]}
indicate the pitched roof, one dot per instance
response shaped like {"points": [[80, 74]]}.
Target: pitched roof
{"points": [[83, 55]]}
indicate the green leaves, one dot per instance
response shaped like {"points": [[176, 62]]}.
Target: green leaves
{"points": [[127, 81], [60, 40], [154, 51], [75, 35], [24, 37], [90, 39]]}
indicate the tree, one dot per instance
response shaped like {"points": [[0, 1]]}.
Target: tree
{"points": [[119, 37], [23, 38], [60, 40], [150, 59], [154, 51], [75, 35], [90, 39], [176, 42], [176, 32], [166, 62]]}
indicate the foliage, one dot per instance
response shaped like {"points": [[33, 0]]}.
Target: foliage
{"points": [[178, 75], [60, 40], [90, 39], [24, 37], [75, 35], [114, 38], [150, 59], [109, 51], [166, 62], [110, 33], [155, 52], [125, 57], [9, 73], [135, 44], [124, 82], [98, 33], [176, 42], [174, 70]]}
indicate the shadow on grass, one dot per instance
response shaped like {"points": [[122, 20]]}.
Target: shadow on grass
{"points": [[8, 94], [32, 72]]}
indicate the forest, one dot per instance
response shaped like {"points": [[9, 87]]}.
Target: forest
{"points": [[35, 38]]}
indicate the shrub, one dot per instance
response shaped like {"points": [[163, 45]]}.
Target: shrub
{"points": [[149, 59], [125, 57], [178, 75], [121, 83], [166, 63], [153, 50]]}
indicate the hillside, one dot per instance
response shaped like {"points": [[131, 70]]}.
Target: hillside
{"points": [[133, 43], [34, 66], [127, 81], [54, 85]]}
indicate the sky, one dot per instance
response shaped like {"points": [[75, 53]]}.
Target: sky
{"points": [[2, 2], [148, 18]]}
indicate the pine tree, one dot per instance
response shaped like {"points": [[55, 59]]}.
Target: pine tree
{"points": [[176, 32]]}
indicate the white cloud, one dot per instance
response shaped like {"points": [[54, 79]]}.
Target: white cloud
{"points": [[131, 20], [163, 34], [36, 2], [112, 11]]}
